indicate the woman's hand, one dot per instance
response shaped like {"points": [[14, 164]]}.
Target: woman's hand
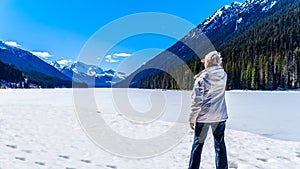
{"points": [[192, 126]]}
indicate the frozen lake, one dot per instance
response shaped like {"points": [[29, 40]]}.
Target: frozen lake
{"points": [[40, 129], [274, 114], [268, 113]]}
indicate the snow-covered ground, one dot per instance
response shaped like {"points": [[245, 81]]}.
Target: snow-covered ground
{"points": [[40, 129]]}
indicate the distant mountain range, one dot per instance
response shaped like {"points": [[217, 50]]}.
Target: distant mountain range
{"points": [[48, 75], [93, 75], [22, 69]]}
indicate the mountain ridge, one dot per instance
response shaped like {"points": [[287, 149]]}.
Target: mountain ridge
{"points": [[255, 14], [26, 61]]}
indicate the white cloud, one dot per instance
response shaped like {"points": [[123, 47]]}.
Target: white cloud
{"points": [[12, 43], [64, 62], [114, 57], [42, 54], [109, 59], [122, 54]]}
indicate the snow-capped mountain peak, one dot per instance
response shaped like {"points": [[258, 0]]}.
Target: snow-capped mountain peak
{"points": [[266, 8], [56, 65], [235, 12], [60, 64], [92, 75], [91, 70]]}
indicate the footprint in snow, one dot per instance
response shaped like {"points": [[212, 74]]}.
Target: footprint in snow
{"points": [[20, 158], [11, 146], [111, 166], [282, 157], [64, 157], [27, 151], [86, 161], [262, 159], [40, 163]]}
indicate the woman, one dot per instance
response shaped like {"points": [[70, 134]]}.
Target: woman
{"points": [[209, 109]]}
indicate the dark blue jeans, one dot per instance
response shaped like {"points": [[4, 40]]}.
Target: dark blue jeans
{"points": [[201, 130]]}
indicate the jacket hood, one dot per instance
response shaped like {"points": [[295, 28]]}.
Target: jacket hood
{"points": [[217, 71]]}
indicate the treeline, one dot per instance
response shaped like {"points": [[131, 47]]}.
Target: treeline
{"points": [[266, 56], [45, 81], [180, 77], [10, 74]]}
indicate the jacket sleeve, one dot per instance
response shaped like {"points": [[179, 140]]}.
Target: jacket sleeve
{"points": [[197, 100]]}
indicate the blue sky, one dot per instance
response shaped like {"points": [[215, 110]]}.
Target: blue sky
{"points": [[58, 29]]}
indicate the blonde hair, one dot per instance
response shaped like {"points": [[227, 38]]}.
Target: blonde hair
{"points": [[214, 58]]}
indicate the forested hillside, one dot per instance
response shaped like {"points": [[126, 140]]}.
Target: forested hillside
{"points": [[10, 74], [264, 54]]}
